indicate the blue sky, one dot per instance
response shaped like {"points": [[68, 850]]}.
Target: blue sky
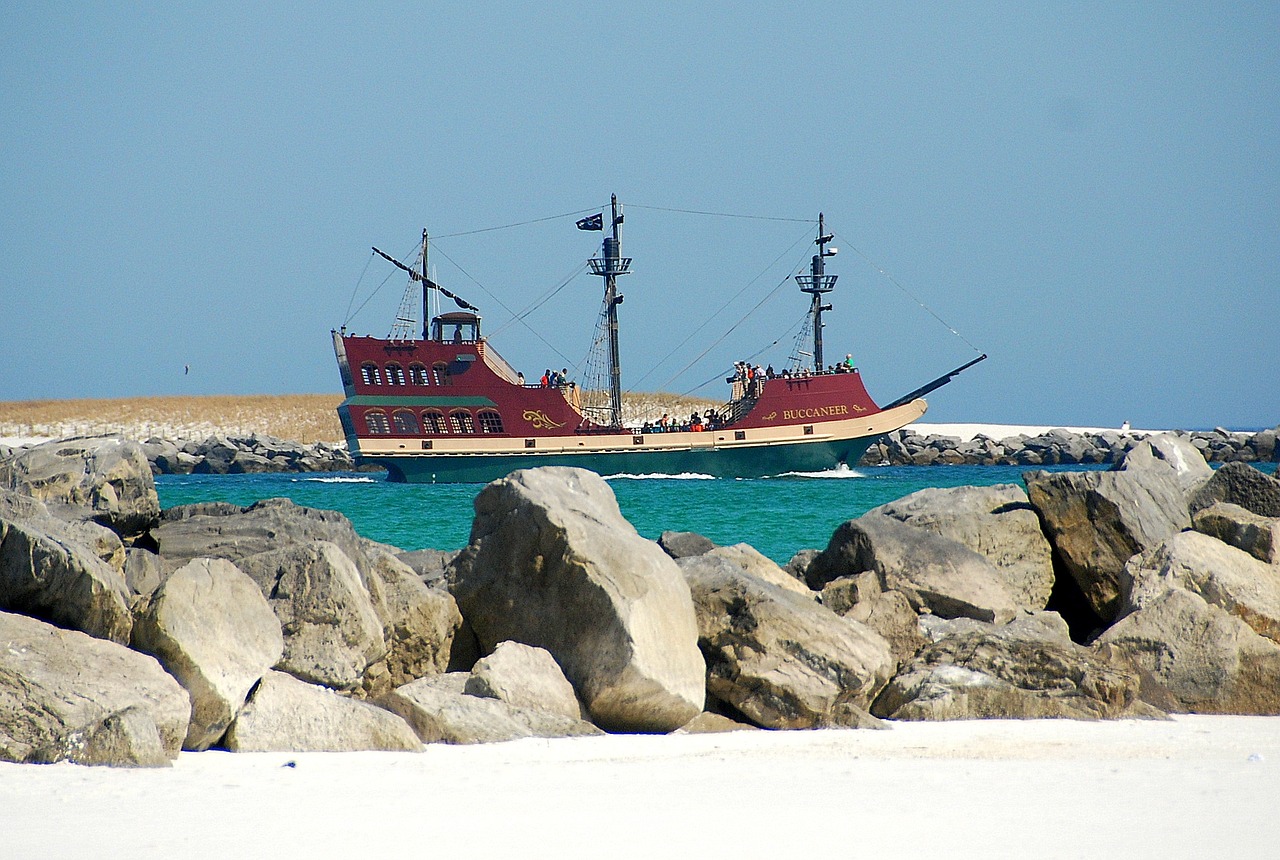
{"points": [[1088, 192]]}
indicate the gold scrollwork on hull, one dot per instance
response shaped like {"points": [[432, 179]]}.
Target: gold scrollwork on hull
{"points": [[539, 419], [771, 416]]}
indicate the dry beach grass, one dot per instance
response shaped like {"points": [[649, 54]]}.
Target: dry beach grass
{"points": [[304, 418]]}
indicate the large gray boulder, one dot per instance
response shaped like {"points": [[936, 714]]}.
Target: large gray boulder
{"points": [[1241, 528], [1176, 452], [287, 715], [440, 713], [781, 659], [211, 628], [553, 563], [143, 571], [98, 539], [932, 572], [525, 677], [996, 522], [755, 563], [221, 530], [67, 695], [419, 623], [1015, 671], [1243, 485], [684, 544], [889, 613], [1204, 659], [428, 564], [127, 738], [332, 633], [355, 616], [106, 479], [50, 576], [1097, 521], [1226, 577]]}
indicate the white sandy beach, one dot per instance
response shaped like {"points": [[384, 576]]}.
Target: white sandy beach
{"points": [[1195, 786], [967, 432]]}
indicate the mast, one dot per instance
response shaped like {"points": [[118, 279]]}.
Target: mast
{"points": [[426, 316], [610, 266], [817, 283]]}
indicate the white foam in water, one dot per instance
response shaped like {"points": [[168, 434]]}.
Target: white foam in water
{"points": [[683, 476], [840, 471], [338, 480]]}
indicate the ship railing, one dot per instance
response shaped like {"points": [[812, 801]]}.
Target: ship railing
{"points": [[497, 363], [737, 409], [601, 415]]}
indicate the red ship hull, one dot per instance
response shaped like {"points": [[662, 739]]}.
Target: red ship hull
{"points": [[454, 411]]}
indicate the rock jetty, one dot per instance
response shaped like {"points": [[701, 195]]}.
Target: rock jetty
{"points": [[258, 453], [1061, 447], [128, 633], [255, 453]]}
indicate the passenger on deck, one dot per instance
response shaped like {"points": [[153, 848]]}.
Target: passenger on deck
{"points": [[546, 378]]}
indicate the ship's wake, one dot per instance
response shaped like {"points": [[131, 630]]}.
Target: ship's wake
{"points": [[652, 476], [841, 471], [339, 480]]}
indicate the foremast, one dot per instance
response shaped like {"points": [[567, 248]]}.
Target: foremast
{"points": [[818, 283], [609, 266]]}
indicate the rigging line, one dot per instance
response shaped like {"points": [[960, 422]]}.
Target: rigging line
{"points": [[714, 314], [795, 325], [722, 214], [908, 294], [517, 224], [502, 304], [370, 296], [542, 300], [718, 340], [356, 289]]}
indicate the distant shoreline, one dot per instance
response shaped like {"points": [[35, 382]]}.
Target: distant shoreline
{"points": [[312, 418]]}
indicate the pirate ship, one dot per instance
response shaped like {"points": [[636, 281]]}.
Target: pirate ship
{"points": [[446, 407]]}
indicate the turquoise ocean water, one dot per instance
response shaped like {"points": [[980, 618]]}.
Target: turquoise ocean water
{"points": [[778, 516]]}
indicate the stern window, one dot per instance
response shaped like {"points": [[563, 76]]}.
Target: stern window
{"points": [[406, 422], [377, 423], [370, 374], [433, 420], [490, 421], [461, 421], [418, 374], [395, 374]]}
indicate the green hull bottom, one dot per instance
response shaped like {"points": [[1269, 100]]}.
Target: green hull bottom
{"points": [[754, 462]]}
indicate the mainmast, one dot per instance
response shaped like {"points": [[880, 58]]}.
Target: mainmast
{"points": [[610, 267], [426, 316], [816, 283]]}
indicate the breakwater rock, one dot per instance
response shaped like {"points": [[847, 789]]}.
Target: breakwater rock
{"points": [[240, 455], [223, 455], [1148, 589], [1061, 447]]}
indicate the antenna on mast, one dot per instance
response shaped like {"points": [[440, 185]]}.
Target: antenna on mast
{"points": [[816, 283]]}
